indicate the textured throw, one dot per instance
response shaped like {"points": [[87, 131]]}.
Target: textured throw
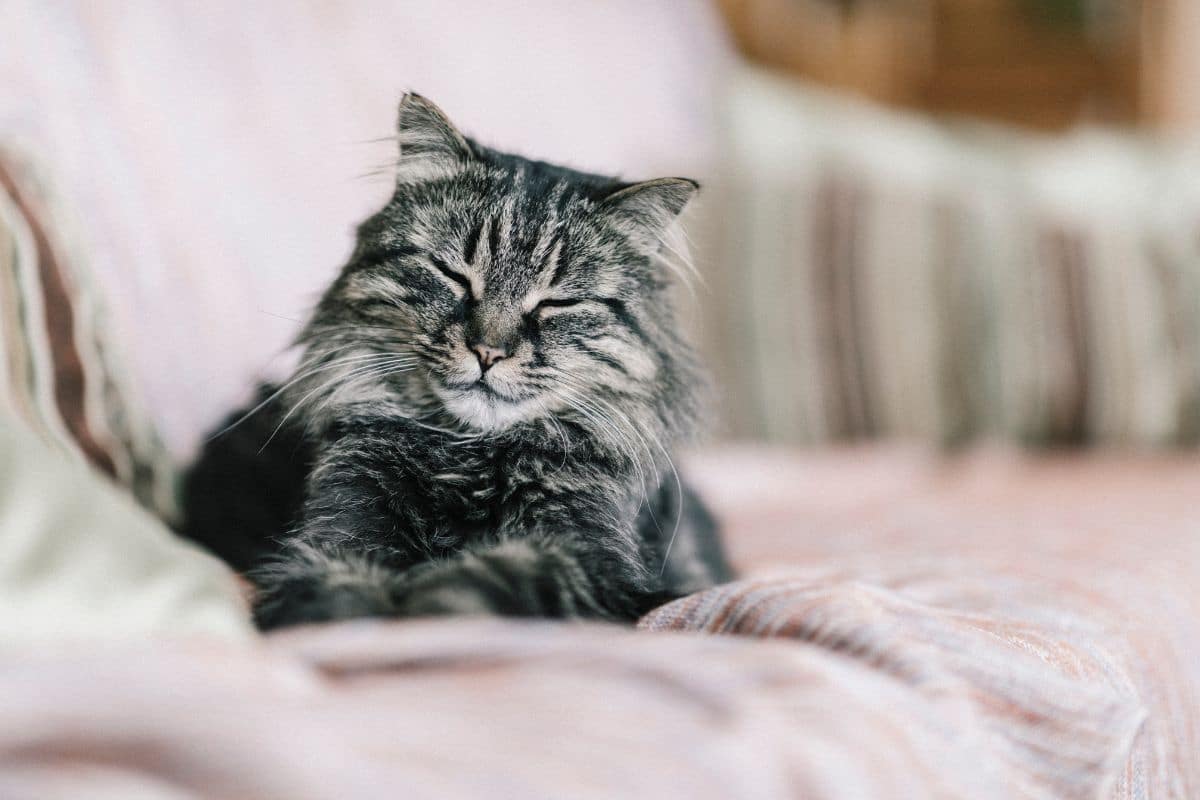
{"points": [[983, 628], [875, 274], [1050, 729], [478, 709], [58, 371], [1088, 564]]}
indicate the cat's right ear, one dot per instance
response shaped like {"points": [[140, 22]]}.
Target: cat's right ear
{"points": [[430, 146]]}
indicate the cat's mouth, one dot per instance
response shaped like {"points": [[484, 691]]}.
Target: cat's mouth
{"points": [[483, 387], [483, 406]]}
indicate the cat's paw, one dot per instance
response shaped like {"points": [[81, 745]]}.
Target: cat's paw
{"points": [[300, 603], [505, 581], [452, 592]]}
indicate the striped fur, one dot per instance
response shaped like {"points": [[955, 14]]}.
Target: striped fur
{"points": [[541, 485]]}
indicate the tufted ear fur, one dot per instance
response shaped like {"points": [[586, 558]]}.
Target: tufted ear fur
{"points": [[645, 211], [430, 146]]}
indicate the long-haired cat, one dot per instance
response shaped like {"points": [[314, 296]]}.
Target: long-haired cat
{"points": [[485, 412]]}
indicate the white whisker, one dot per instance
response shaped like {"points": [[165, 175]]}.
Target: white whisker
{"points": [[372, 366], [301, 376]]}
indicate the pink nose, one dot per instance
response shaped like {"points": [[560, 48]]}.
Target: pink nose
{"points": [[488, 355]]}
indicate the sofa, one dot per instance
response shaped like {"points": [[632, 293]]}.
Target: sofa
{"points": [[951, 585]]}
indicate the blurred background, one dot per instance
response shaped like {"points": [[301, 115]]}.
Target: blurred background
{"points": [[941, 220], [1045, 64]]}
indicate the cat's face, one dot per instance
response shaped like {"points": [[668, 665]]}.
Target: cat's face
{"points": [[517, 289]]}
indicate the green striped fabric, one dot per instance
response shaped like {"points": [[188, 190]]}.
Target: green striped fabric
{"points": [[59, 371], [877, 275]]}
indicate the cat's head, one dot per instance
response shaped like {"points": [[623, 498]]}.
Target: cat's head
{"points": [[500, 290]]}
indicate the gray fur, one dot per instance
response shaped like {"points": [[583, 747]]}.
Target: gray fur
{"points": [[544, 486]]}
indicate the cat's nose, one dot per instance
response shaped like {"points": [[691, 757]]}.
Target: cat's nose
{"points": [[488, 355]]}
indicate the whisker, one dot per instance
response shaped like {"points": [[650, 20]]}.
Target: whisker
{"points": [[302, 376], [392, 138], [597, 415], [322, 387], [642, 436], [280, 316]]}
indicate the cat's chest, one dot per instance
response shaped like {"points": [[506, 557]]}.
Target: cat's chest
{"points": [[463, 480], [447, 488], [471, 481]]}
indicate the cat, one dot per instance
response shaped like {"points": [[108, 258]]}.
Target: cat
{"points": [[485, 410]]}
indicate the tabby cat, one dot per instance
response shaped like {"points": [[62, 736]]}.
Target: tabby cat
{"points": [[484, 414]]}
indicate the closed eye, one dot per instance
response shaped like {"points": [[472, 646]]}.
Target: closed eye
{"points": [[557, 303], [457, 277]]}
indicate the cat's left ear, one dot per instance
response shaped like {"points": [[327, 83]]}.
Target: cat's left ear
{"points": [[430, 146], [645, 211]]}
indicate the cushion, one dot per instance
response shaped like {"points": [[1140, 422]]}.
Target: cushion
{"points": [[80, 560], [78, 557], [879, 274], [59, 370]]}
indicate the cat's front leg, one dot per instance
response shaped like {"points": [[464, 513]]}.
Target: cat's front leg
{"points": [[310, 584], [533, 576], [355, 540], [563, 549]]}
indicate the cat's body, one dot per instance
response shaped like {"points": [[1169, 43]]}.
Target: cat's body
{"points": [[485, 412]]}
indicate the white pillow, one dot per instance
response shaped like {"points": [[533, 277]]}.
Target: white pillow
{"points": [[79, 559]]}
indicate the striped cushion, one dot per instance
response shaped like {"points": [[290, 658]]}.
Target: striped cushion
{"points": [[58, 369], [883, 276]]}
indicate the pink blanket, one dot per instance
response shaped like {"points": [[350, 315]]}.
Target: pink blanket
{"points": [[984, 628]]}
